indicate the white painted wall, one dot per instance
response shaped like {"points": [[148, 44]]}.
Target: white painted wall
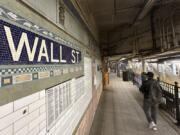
{"points": [[45, 7], [73, 27], [48, 8]]}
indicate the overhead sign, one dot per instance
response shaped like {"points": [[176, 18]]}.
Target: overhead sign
{"points": [[19, 46]]}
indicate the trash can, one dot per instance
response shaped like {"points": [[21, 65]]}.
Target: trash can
{"points": [[125, 76]]}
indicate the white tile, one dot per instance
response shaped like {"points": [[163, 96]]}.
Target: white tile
{"points": [[35, 131], [7, 131], [25, 101], [22, 131], [26, 120], [52, 131], [42, 117], [6, 109], [42, 125], [43, 132], [34, 123], [36, 104], [43, 109], [11, 118], [42, 94]]}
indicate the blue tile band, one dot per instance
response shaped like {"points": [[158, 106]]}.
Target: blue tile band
{"points": [[19, 46]]}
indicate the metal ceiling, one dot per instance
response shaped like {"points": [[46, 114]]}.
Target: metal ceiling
{"points": [[110, 14], [116, 21]]}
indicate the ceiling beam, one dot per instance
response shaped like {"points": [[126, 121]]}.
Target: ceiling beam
{"points": [[145, 10], [114, 7], [118, 11]]}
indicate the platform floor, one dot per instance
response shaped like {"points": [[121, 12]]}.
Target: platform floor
{"points": [[120, 112]]}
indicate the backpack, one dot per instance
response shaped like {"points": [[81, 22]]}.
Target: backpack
{"points": [[156, 92]]}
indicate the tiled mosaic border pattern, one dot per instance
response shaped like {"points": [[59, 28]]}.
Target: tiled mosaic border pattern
{"points": [[12, 71], [29, 76], [10, 76], [11, 16]]}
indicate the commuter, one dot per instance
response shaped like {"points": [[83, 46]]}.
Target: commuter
{"points": [[133, 78], [143, 80], [143, 76], [109, 70], [152, 97]]}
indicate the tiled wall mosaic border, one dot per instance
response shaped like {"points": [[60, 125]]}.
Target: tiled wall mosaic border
{"points": [[17, 79], [12, 71], [18, 75], [11, 16]]}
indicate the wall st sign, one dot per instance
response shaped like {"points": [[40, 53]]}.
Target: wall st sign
{"points": [[19, 46]]}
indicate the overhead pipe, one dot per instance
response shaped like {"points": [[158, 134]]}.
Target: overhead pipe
{"points": [[153, 30], [168, 40], [135, 43], [115, 7], [173, 33], [166, 34], [161, 36], [146, 9]]}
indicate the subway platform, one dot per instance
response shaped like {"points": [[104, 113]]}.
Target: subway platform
{"points": [[120, 112]]}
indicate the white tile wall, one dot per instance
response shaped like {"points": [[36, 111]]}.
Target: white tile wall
{"points": [[7, 131], [67, 124], [11, 118], [43, 132], [42, 109], [42, 117], [42, 94], [25, 101], [52, 131], [42, 125], [25, 120], [23, 131], [6, 109], [35, 131], [24, 115], [34, 124], [37, 104]]}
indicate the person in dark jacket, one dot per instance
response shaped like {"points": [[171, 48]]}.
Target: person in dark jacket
{"points": [[143, 76], [133, 78], [152, 93]]}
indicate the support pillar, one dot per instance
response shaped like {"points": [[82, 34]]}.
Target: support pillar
{"points": [[143, 65]]}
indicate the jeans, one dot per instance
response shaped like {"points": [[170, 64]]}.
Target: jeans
{"points": [[150, 111]]}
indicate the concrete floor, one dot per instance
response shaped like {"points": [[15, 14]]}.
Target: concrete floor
{"points": [[120, 112]]}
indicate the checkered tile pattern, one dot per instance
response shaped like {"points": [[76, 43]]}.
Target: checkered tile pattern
{"points": [[34, 70], [12, 71]]}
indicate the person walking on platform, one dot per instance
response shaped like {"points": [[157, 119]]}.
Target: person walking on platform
{"points": [[152, 97], [133, 78], [143, 77]]}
